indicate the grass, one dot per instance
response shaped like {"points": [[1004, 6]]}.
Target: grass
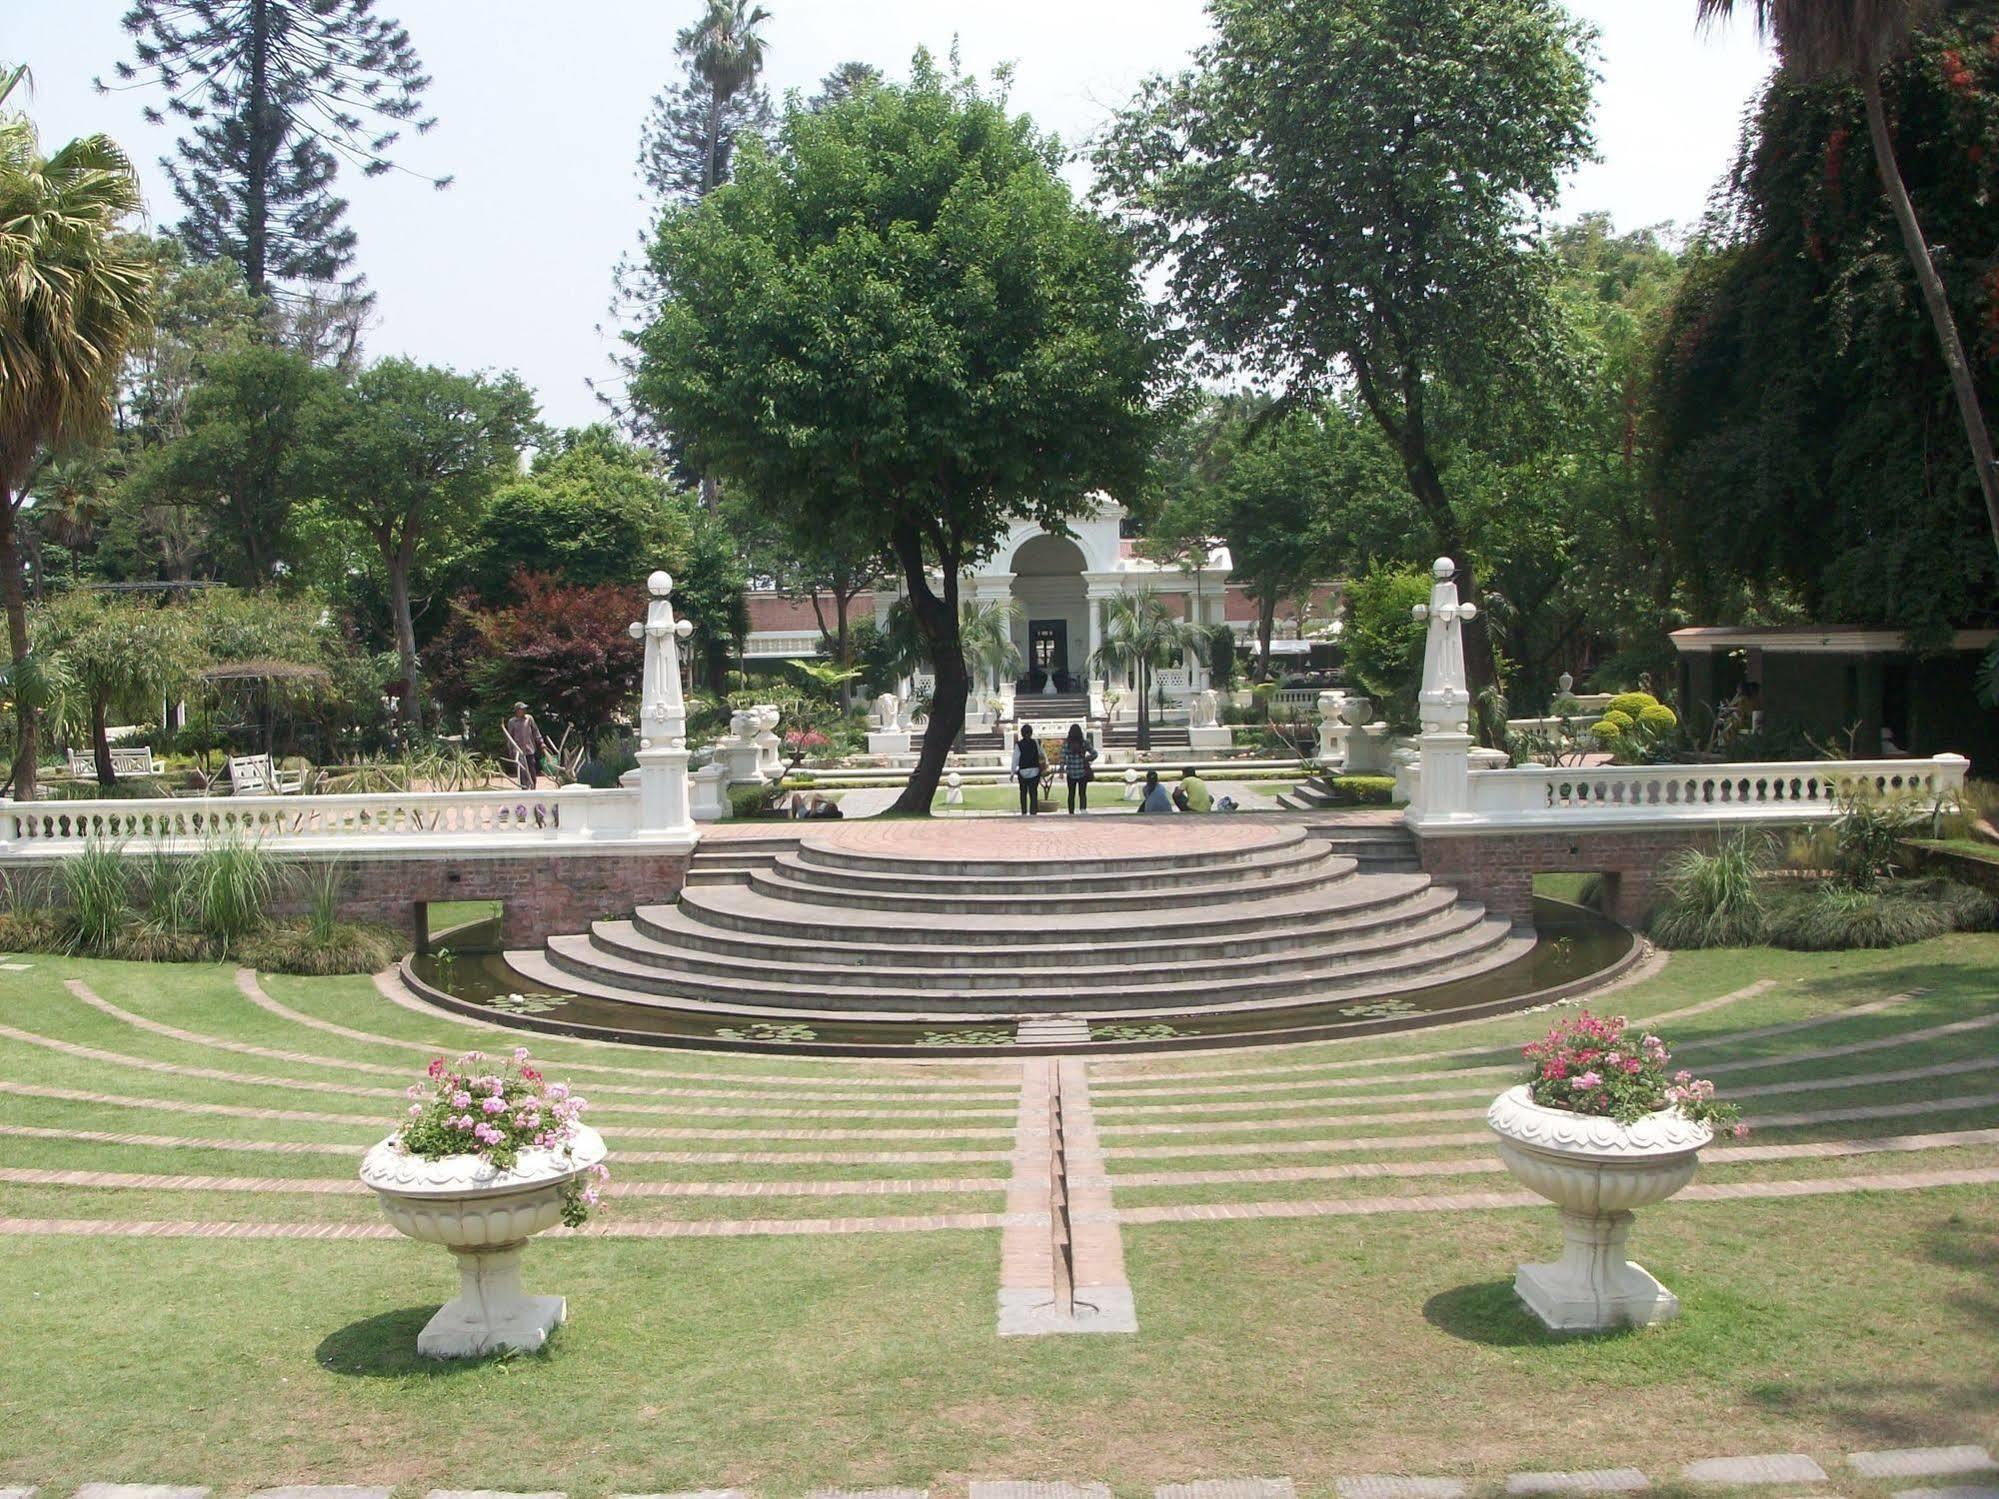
{"points": [[1309, 1347]]}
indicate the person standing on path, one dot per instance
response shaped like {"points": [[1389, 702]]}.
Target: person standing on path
{"points": [[1077, 760], [1027, 770], [526, 744]]}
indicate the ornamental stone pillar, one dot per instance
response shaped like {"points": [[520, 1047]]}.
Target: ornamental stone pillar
{"points": [[1442, 793], [664, 804]]}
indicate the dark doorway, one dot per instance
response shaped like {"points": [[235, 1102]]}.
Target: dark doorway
{"points": [[1048, 647]]}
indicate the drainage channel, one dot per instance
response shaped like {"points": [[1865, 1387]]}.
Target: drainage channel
{"points": [[1061, 1253]]}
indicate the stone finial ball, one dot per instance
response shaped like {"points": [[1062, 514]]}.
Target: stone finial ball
{"points": [[954, 780], [1443, 568], [661, 584]]}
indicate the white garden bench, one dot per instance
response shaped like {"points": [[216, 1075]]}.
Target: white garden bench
{"points": [[133, 761], [256, 775]]}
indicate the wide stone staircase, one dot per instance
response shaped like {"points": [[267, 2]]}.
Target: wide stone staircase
{"points": [[815, 927]]}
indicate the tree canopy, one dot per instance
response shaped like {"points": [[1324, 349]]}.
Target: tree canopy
{"points": [[898, 319]]}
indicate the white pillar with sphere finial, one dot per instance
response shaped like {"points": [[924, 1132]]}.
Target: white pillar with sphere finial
{"points": [[1443, 790], [665, 810]]}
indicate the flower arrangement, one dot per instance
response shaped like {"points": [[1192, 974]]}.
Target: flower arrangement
{"points": [[1589, 1064], [495, 1110]]}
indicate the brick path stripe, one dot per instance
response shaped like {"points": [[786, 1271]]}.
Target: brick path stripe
{"points": [[1129, 1095], [314, 1085], [1106, 1078], [1829, 1186], [82, 991], [340, 1186]]}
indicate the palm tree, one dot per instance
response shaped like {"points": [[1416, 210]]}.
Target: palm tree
{"points": [[728, 54], [73, 297], [1857, 38], [1141, 634]]}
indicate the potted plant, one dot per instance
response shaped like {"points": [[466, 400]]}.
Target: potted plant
{"points": [[491, 1153], [1599, 1129]]}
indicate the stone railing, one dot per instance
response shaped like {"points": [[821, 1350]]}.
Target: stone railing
{"points": [[1783, 791], [1303, 699], [436, 820]]}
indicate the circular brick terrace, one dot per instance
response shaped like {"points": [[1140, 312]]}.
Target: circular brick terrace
{"points": [[1045, 839]]}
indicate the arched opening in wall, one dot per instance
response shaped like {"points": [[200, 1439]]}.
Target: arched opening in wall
{"points": [[1052, 629], [458, 926], [1592, 889]]}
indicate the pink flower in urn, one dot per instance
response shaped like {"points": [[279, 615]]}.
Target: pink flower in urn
{"points": [[487, 1133], [416, 1111], [1586, 1082], [462, 1121], [1683, 1077], [1740, 1132], [461, 1100], [436, 1068], [493, 1105]]}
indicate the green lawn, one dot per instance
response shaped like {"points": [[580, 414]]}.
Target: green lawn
{"points": [[1308, 1346]]}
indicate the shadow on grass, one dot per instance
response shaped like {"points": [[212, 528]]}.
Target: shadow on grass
{"points": [[384, 1347], [1489, 1313]]}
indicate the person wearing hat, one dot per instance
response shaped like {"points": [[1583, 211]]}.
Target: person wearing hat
{"points": [[525, 741]]}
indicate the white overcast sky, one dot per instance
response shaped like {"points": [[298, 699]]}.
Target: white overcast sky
{"points": [[539, 104]]}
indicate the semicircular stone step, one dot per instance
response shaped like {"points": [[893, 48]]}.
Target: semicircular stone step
{"points": [[1145, 966], [1259, 843], [578, 963], [1263, 914], [1276, 934], [941, 877]]}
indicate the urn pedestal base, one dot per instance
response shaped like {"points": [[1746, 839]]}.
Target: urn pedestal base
{"points": [[490, 1313], [1593, 1287]]}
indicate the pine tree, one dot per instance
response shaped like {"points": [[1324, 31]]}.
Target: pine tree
{"points": [[843, 82], [276, 94]]}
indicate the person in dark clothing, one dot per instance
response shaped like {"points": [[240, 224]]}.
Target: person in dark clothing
{"points": [[1028, 770], [527, 746], [1077, 761]]}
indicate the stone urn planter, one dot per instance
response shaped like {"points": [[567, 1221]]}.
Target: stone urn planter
{"points": [[1596, 1171], [484, 1216]]}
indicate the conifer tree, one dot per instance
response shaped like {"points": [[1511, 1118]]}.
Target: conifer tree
{"points": [[275, 94], [687, 144]]}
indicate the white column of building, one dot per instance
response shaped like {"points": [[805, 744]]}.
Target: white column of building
{"points": [[1097, 590]]}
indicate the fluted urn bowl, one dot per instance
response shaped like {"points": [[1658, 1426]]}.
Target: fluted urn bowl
{"points": [[483, 1215], [1596, 1172]]}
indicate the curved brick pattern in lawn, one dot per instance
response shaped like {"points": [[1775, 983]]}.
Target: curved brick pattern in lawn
{"points": [[24, 1176], [898, 1087]]}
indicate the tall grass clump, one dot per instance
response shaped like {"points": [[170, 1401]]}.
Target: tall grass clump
{"points": [[30, 921], [96, 889], [1867, 839], [231, 883], [167, 928], [1713, 899]]}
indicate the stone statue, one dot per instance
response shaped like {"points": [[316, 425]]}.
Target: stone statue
{"points": [[662, 755]]}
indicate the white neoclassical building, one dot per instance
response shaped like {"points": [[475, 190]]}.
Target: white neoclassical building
{"points": [[1059, 585]]}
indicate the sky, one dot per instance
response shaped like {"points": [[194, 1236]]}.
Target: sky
{"points": [[539, 106]]}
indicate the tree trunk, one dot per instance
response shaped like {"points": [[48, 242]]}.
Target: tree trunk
{"points": [[1266, 624], [938, 620], [100, 744], [399, 605], [1976, 434], [1144, 710], [846, 647], [25, 748]]}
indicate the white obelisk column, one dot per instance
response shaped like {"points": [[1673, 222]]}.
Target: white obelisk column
{"points": [[664, 807], [1444, 704]]}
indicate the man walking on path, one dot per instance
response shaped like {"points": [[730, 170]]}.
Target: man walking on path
{"points": [[525, 741]]}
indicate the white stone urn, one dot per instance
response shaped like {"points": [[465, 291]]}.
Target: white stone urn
{"points": [[484, 1216], [1596, 1171]]}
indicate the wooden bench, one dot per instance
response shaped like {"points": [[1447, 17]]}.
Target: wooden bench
{"points": [[135, 761], [255, 775]]}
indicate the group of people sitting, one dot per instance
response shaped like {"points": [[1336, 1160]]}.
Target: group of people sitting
{"points": [[1077, 763]]}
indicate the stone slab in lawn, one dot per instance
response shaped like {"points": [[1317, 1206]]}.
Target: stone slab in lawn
{"points": [[1009, 1489], [323, 1491], [1921, 1462], [1586, 1481], [1397, 1486], [1228, 1488], [1769, 1467], [1972, 1491], [138, 1491]]}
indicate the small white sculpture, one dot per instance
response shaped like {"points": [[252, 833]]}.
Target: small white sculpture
{"points": [[954, 790]]}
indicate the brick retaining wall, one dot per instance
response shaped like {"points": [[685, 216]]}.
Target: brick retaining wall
{"points": [[542, 895], [1499, 868]]}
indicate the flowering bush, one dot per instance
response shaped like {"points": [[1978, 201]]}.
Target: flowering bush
{"points": [[495, 1110], [1590, 1065], [802, 742]]}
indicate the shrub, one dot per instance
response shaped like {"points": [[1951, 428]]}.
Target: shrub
{"points": [[753, 801], [1867, 839], [1713, 899], [307, 947], [230, 885], [97, 891], [1376, 791], [34, 929], [1631, 704], [1613, 726], [1835, 917], [1384, 649], [1658, 720]]}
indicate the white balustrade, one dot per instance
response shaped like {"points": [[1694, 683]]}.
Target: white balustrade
{"points": [[444, 819], [1303, 699], [1775, 791]]}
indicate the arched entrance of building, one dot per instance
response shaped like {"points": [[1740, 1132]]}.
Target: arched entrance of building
{"points": [[1053, 627]]}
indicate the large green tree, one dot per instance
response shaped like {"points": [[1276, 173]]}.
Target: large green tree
{"points": [[1340, 193], [898, 319], [1856, 40], [407, 458], [74, 296], [275, 94], [1806, 409]]}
